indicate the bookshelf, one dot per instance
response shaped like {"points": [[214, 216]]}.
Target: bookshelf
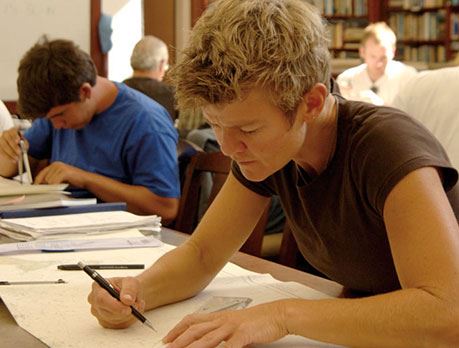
{"points": [[346, 21], [427, 31]]}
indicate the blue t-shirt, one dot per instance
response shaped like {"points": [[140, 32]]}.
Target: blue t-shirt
{"points": [[133, 141]]}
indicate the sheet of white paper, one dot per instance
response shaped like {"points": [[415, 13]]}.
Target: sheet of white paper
{"points": [[79, 223], [81, 244], [10, 187], [56, 314]]}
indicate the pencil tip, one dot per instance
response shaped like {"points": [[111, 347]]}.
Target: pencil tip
{"points": [[148, 323]]}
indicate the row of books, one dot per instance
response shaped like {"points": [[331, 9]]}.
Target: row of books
{"points": [[428, 26], [345, 8], [345, 54], [424, 53], [341, 34], [420, 4]]}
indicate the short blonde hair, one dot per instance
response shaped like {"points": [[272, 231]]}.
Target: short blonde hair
{"points": [[148, 53], [278, 45], [381, 33]]}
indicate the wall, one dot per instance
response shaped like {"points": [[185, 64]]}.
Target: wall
{"points": [[127, 25], [182, 25], [23, 22]]}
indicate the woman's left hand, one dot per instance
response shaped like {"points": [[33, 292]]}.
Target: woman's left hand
{"points": [[238, 328]]}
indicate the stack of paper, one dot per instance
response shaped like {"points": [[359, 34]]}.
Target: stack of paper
{"points": [[80, 244], [14, 196], [44, 200], [10, 187], [86, 223]]}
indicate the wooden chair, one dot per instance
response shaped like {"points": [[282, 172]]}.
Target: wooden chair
{"points": [[218, 166]]}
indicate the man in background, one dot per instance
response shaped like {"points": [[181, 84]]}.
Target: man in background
{"points": [[150, 61], [379, 78], [97, 135]]}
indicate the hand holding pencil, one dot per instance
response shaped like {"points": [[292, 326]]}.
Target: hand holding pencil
{"points": [[9, 144], [111, 312], [13, 154]]}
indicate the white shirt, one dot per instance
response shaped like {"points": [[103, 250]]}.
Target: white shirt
{"points": [[431, 98], [355, 83], [6, 121]]}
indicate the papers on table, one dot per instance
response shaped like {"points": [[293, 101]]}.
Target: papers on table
{"points": [[44, 200], [85, 223], [80, 244], [14, 196], [10, 187], [58, 315]]}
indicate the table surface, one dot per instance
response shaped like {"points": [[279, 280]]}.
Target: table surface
{"points": [[14, 336]]}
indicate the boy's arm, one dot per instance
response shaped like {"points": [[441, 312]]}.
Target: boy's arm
{"points": [[139, 199]]}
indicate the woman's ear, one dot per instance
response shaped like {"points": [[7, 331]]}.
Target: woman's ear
{"points": [[85, 91], [314, 101]]}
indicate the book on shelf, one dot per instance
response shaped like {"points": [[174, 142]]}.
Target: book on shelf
{"points": [[353, 34]]}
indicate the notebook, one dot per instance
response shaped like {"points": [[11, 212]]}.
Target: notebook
{"points": [[10, 187], [44, 200]]}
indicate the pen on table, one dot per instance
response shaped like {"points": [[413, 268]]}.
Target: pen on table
{"points": [[33, 282], [103, 283], [75, 267]]}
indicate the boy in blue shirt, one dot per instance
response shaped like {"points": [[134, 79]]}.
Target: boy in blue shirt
{"points": [[96, 134]]}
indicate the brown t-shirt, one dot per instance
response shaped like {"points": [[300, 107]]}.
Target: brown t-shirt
{"points": [[156, 90], [337, 216]]}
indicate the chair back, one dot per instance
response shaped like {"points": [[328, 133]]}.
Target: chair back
{"points": [[195, 185], [216, 166]]}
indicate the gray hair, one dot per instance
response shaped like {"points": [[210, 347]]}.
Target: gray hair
{"points": [[148, 53]]}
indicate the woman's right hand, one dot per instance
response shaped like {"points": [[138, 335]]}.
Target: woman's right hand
{"points": [[110, 312]]}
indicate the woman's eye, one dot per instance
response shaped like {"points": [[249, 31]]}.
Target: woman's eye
{"points": [[249, 131]]}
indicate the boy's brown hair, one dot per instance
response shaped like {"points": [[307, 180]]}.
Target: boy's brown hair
{"points": [[51, 74]]}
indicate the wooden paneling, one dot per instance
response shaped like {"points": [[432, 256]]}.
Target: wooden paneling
{"points": [[197, 8], [100, 59], [159, 20]]}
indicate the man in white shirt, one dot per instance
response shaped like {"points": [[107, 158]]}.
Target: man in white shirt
{"points": [[379, 78], [6, 121], [431, 98]]}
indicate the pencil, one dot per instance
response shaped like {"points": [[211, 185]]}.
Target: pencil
{"points": [[112, 291], [75, 267]]}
